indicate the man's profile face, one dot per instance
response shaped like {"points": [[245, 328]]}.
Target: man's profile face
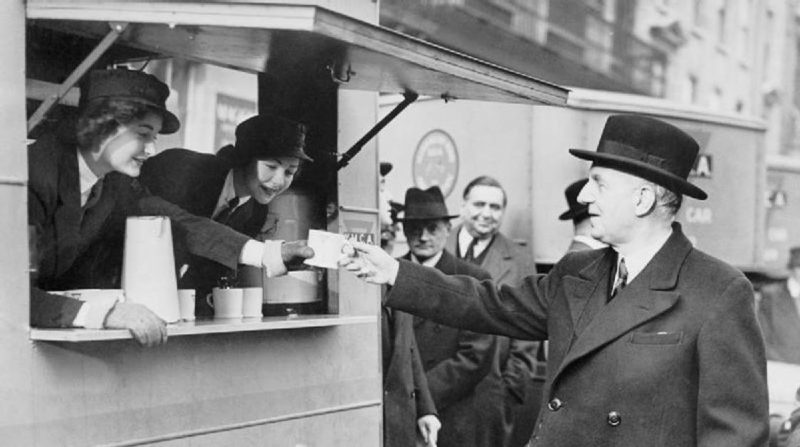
{"points": [[482, 211], [426, 238], [611, 196]]}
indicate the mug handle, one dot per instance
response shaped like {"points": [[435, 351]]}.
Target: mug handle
{"points": [[210, 299]]}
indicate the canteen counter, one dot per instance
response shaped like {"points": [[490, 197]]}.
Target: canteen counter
{"points": [[204, 327]]}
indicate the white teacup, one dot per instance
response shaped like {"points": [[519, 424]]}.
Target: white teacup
{"points": [[186, 298], [252, 299], [227, 303]]}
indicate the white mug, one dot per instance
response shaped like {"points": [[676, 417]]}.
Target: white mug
{"points": [[227, 303], [252, 299], [186, 303]]}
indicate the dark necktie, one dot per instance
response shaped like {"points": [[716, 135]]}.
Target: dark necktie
{"points": [[94, 195], [469, 255], [622, 279], [225, 214]]}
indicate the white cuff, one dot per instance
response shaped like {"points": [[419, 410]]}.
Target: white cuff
{"points": [[271, 259], [252, 253], [93, 313]]}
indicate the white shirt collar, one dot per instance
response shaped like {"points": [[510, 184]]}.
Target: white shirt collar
{"points": [[86, 177], [794, 287], [228, 193], [590, 241], [636, 262], [430, 262], [464, 239]]}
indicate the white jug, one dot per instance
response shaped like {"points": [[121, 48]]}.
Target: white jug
{"points": [[148, 268]]}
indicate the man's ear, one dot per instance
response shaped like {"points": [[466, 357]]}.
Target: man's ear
{"points": [[645, 200]]}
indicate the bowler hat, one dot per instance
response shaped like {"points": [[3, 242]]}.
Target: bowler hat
{"points": [[266, 136], [130, 85], [794, 257], [424, 205], [577, 211], [647, 148]]}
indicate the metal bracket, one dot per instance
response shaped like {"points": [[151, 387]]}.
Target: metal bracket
{"points": [[408, 98], [116, 30]]}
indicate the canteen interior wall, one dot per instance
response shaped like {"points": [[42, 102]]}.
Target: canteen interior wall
{"points": [[526, 148]]}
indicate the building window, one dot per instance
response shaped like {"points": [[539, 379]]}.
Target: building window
{"points": [[722, 18]]}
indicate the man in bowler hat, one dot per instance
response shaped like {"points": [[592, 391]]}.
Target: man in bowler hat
{"points": [[233, 187], [578, 213], [652, 342], [455, 360], [779, 314]]}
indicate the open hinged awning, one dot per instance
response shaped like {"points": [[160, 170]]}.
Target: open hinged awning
{"points": [[280, 39]]}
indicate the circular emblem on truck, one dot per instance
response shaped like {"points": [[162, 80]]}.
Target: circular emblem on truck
{"points": [[436, 162]]}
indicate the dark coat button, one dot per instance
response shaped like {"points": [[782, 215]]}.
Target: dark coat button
{"points": [[555, 404], [614, 418]]}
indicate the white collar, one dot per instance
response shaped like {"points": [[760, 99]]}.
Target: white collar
{"points": [[430, 262], [590, 241], [86, 177], [464, 239], [794, 287], [638, 260], [228, 193]]}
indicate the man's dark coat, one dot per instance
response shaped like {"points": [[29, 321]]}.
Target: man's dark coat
{"points": [[455, 362], [675, 359], [511, 392], [406, 396]]}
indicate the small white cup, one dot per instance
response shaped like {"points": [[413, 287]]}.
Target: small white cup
{"points": [[252, 299], [186, 299], [227, 303]]}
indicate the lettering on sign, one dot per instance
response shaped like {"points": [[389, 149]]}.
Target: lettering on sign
{"points": [[776, 199], [703, 166], [367, 238], [436, 162], [359, 230], [699, 215]]}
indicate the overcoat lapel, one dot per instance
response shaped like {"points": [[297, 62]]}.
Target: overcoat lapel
{"points": [[580, 289], [68, 211], [650, 294]]}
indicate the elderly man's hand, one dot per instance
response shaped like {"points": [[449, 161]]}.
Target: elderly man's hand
{"points": [[294, 253], [429, 426], [145, 326], [371, 263]]}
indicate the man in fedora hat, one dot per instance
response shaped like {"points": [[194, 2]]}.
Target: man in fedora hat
{"points": [[652, 342], [779, 314], [455, 360], [234, 187], [578, 213]]}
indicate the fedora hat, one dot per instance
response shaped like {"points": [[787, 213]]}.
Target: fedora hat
{"points": [[266, 136], [130, 85], [577, 211], [647, 148], [425, 205]]}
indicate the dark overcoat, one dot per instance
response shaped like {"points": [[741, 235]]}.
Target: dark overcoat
{"points": [[455, 362], [77, 250], [675, 359], [510, 394], [780, 323], [406, 396]]}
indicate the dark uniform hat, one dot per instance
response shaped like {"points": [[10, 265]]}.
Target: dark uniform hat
{"points": [[647, 148], [130, 85], [794, 258], [425, 205], [266, 136], [577, 211]]}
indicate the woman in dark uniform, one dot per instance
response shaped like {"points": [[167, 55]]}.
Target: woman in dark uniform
{"points": [[82, 186]]}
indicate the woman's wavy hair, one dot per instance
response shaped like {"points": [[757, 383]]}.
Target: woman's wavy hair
{"points": [[100, 119]]}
